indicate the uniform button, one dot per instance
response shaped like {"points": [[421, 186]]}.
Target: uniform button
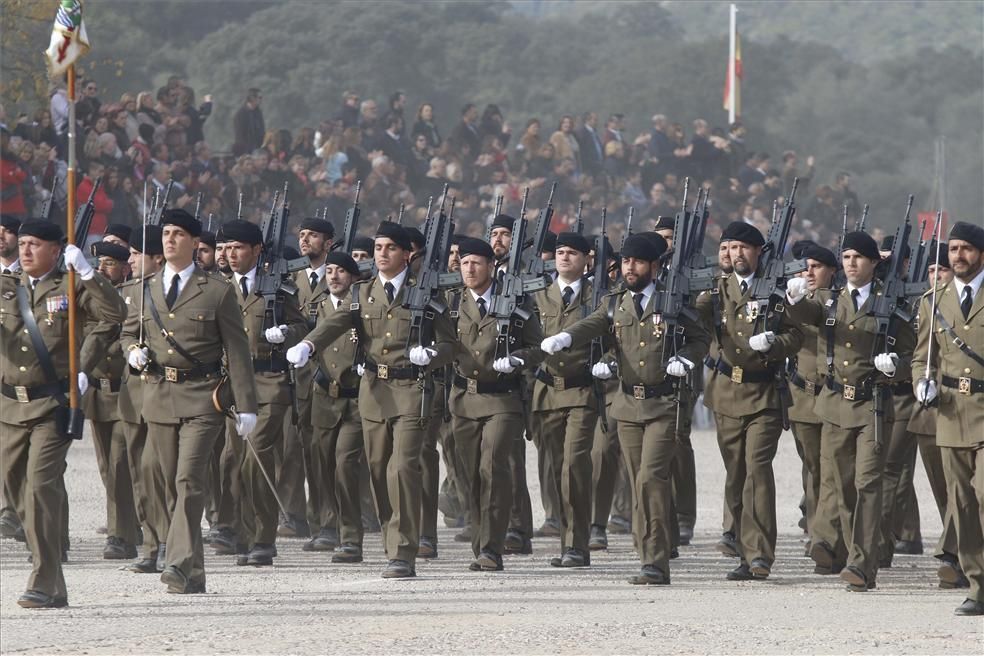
{"points": [[845, 380], [170, 315], [24, 348], [171, 333], [247, 329], [25, 331], [385, 351], [335, 349], [847, 344], [365, 316], [475, 372], [200, 317], [389, 316], [737, 350], [850, 326], [967, 370], [846, 363], [740, 317], [966, 327], [143, 376], [617, 324], [389, 334], [642, 363], [170, 352], [642, 343], [478, 352], [23, 368], [740, 334], [479, 333], [333, 364]]}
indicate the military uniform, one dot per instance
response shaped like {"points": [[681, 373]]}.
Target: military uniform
{"points": [[182, 421], [32, 448], [922, 424]]}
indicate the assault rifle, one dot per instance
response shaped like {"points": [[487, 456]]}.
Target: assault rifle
{"points": [[46, 206], [157, 214], [351, 228], [83, 221], [535, 266], [510, 294], [598, 291]]}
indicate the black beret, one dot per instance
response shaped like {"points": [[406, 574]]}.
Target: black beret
{"points": [[396, 233], [416, 236], [182, 219], [658, 240], [343, 260], [109, 249], [743, 232], [291, 253], [820, 254], [863, 243], [242, 231], [120, 230], [456, 238], [503, 221], [575, 241], [363, 244], [43, 230], [944, 259], [472, 246], [643, 247], [10, 223], [207, 237], [889, 241], [549, 243], [968, 232], [800, 246], [154, 244], [220, 237], [318, 225], [665, 223]]}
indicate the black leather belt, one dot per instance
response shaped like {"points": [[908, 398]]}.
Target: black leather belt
{"points": [[174, 375], [386, 372], [269, 365], [807, 386], [865, 391], [648, 391], [24, 394], [739, 375], [475, 387], [963, 385], [559, 383], [334, 390], [104, 384]]}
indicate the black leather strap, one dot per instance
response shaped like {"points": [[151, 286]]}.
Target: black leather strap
{"points": [[476, 387], [975, 385], [40, 348], [561, 383], [649, 391], [97, 383], [960, 344], [174, 375], [273, 365], [37, 392], [766, 376], [800, 382], [392, 373], [830, 320], [324, 382]]}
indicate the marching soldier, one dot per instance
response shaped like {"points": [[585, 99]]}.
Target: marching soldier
{"points": [[34, 437], [644, 408], [485, 406], [950, 348], [743, 394], [205, 253], [101, 370], [851, 455], [190, 319], [389, 395], [10, 524]]}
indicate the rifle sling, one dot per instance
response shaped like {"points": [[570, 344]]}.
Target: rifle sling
{"points": [[360, 329], [149, 302], [40, 348], [829, 323], [960, 344]]}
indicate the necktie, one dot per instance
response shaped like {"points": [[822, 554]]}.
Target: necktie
{"points": [[744, 287], [637, 299], [390, 291], [568, 293], [245, 287], [338, 304], [172, 292], [7, 271], [314, 280], [967, 302], [481, 306], [855, 294]]}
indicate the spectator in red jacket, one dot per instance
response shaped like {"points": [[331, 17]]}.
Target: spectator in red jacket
{"points": [[12, 177], [103, 205]]}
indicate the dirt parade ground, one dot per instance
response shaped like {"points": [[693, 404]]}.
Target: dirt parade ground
{"points": [[306, 605]]}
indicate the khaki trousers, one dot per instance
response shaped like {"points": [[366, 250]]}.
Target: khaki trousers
{"points": [[260, 511], [965, 486], [110, 445], [148, 488], [932, 458], [684, 474], [293, 458], [807, 436], [336, 457]]}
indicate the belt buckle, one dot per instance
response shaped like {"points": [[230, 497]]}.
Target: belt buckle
{"points": [[737, 374], [472, 386], [849, 392], [558, 384], [383, 371], [105, 385], [811, 387], [639, 392], [963, 386], [170, 374], [22, 395]]}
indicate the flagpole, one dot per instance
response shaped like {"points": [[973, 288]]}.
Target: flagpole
{"points": [[732, 32], [73, 357]]}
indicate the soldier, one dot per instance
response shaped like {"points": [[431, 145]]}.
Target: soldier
{"points": [[146, 259], [259, 504], [644, 408], [851, 455], [564, 405], [190, 318], [485, 406], [389, 395], [362, 249], [119, 234], [10, 524], [101, 370], [34, 437], [950, 367], [743, 394], [221, 263], [205, 253], [337, 447]]}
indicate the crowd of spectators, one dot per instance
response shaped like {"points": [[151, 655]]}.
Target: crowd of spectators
{"points": [[402, 156]]}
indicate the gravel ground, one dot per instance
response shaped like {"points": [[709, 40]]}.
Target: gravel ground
{"points": [[306, 605]]}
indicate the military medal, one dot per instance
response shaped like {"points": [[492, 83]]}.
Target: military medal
{"points": [[751, 311]]}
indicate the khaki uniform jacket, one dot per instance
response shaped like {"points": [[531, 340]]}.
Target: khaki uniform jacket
{"points": [[721, 394], [854, 340], [959, 417], [103, 360], [309, 302], [813, 370], [270, 387], [207, 322], [96, 299], [476, 354], [130, 399], [387, 329], [639, 352], [336, 362], [555, 318]]}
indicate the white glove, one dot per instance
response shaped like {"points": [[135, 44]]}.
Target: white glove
{"points": [[679, 367], [886, 362], [138, 358], [245, 423], [600, 370], [360, 369], [422, 355], [925, 390], [298, 355], [83, 383], [75, 260], [276, 335], [556, 343], [796, 290], [507, 365], [763, 341]]}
